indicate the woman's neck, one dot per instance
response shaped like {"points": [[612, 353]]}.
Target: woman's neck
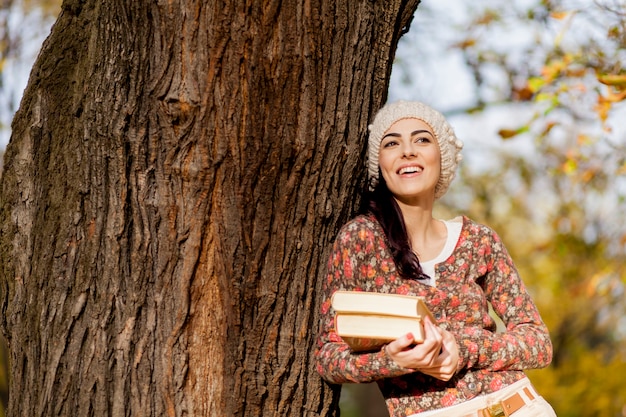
{"points": [[426, 234]]}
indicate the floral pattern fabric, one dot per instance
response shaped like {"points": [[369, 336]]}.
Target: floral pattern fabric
{"points": [[478, 272]]}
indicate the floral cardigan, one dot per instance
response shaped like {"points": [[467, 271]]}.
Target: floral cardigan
{"points": [[478, 271]]}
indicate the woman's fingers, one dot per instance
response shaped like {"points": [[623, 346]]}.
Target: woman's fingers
{"points": [[437, 355], [406, 353], [400, 344], [447, 362]]}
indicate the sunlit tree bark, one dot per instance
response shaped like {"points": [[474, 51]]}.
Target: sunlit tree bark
{"points": [[175, 174]]}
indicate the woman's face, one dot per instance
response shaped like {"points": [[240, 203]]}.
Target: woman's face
{"points": [[409, 160]]}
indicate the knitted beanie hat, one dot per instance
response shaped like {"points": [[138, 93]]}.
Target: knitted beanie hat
{"points": [[449, 146]]}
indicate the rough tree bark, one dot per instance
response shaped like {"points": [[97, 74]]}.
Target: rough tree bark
{"points": [[176, 172]]}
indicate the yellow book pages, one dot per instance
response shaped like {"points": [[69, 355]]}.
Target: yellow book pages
{"points": [[369, 332], [380, 304]]}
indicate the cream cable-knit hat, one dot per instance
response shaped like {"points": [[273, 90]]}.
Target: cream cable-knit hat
{"points": [[449, 146]]}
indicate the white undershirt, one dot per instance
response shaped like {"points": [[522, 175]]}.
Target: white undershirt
{"points": [[454, 231]]}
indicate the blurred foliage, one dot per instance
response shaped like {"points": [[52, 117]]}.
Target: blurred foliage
{"points": [[577, 283]]}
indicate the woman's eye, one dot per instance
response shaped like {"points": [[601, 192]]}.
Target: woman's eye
{"points": [[422, 139], [390, 144]]}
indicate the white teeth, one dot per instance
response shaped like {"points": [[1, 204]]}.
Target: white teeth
{"points": [[409, 170]]}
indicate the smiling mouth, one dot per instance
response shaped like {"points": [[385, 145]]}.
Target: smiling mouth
{"points": [[409, 170]]}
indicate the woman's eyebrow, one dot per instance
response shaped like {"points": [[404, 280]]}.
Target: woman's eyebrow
{"points": [[392, 134], [416, 132]]}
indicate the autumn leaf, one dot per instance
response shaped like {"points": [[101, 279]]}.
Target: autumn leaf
{"points": [[510, 133], [570, 166], [507, 133], [606, 101], [465, 43], [535, 84], [584, 140], [554, 68], [522, 94], [559, 15], [602, 108], [548, 128], [613, 80]]}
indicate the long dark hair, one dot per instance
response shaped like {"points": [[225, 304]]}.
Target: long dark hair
{"points": [[381, 203]]}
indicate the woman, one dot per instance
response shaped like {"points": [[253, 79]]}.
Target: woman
{"points": [[463, 367]]}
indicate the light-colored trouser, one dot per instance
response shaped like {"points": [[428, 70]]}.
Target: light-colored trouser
{"points": [[535, 407]]}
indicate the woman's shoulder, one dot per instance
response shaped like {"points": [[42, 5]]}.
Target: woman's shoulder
{"points": [[477, 230], [362, 227]]}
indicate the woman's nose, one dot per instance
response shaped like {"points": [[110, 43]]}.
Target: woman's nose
{"points": [[408, 150]]}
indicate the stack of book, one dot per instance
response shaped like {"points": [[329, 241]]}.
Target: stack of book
{"points": [[368, 320]]}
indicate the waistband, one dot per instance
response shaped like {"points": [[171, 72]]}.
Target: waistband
{"points": [[502, 403]]}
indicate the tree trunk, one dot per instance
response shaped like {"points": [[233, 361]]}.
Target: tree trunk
{"points": [[176, 173]]}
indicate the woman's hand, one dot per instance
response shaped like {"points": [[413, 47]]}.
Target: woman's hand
{"points": [[437, 356]]}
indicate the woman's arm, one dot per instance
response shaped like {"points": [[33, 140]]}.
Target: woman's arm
{"points": [[525, 343], [354, 257]]}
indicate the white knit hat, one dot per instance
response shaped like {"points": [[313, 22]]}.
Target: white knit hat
{"points": [[449, 146]]}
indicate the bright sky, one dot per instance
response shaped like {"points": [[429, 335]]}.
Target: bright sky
{"points": [[19, 63]]}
